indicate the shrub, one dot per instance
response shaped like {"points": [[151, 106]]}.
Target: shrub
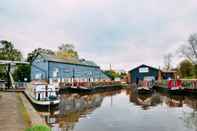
{"points": [[39, 128]]}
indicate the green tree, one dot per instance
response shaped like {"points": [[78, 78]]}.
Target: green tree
{"points": [[8, 52], [195, 70], [111, 74], [123, 75], [31, 56], [21, 73], [67, 51], [186, 69]]}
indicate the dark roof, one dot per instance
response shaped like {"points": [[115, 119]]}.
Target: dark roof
{"points": [[143, 66], [75, 61]]}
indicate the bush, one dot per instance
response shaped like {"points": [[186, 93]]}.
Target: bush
{"points": [[39, 128]]}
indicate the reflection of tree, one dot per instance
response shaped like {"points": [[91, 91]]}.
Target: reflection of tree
{"points": [[175, 101], [191, 102], [190, 120]]}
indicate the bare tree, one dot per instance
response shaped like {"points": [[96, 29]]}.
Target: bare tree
{"points": [[190, 50], [168, 61]]}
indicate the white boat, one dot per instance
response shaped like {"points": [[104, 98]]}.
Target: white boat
{"points": [[42, 94]]}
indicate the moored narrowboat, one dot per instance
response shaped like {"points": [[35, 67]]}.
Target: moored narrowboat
{"points": [[43, 94]]}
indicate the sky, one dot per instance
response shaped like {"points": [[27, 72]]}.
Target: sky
{"points": [[123, 33]]}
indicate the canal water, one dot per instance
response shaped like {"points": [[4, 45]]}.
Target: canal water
{"points": [[123, 110]]}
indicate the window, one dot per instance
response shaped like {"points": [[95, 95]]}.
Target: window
{"points": [[38, 76], [55, 72]]}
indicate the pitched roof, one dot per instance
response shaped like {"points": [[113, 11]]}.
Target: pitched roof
{"points": [[145, 66], [54, 58]]}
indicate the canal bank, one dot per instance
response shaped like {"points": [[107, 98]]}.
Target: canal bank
{"points": [[16, 113]]}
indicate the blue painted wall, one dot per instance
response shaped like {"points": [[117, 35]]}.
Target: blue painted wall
{"points": [[64, 70], [79, 71], [39, 66]]}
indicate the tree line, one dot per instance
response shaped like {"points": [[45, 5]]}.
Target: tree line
{"points": [[187, 68]]}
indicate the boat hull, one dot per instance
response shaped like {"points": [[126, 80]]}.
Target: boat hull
{"points": [[184, 91], [41, 103], [143, 91], [90, 90]]}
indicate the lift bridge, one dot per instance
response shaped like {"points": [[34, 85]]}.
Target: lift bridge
{"points": [[9, 65]]}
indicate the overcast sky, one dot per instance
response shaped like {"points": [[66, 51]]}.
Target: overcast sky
{"points": [[124, 33]]}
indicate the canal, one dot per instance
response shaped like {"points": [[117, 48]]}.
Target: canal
{"points": [[123, 110]]}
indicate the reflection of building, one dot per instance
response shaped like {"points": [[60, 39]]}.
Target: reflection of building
{"points": [[53, 69], [72, 107], [77, 103]]}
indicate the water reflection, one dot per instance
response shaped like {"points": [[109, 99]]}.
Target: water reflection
{"points": [[146, 100], [74, 106], [123, 110]]}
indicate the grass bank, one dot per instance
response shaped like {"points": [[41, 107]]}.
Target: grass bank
{"points": [[24, 113]]}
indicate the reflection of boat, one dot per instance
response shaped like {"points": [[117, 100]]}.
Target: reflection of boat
{"points": [[144, 90], [176, 91], [75, 89], [40, 93], [172, 91], [144, 100]]}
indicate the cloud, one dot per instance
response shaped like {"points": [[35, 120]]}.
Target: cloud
{"points": [[122, 33]]}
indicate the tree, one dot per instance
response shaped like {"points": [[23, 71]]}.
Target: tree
{"points": [[111, 74], [67, 51], [190, 50], [168, 61], [123, 75], [21, 73], [186, 69], [31, 56], [8, 52]]}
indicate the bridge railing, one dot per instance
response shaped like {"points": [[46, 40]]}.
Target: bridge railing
{"points": [[21, 84]]}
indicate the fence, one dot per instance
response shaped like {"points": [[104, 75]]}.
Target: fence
{"points": [[21, 84]]}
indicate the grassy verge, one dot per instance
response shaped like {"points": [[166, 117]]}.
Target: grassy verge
{"points": [[25, 115], [39, 128]]}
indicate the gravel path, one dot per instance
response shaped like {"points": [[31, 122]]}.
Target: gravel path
{"points": [[10, 115]]}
